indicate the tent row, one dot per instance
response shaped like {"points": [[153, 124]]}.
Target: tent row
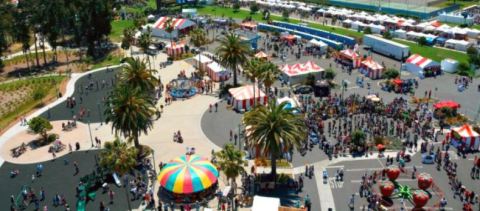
{"points": [[215, 71]]}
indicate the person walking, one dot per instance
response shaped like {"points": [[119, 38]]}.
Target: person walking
{"points": [[110, 195], [77, 170]]}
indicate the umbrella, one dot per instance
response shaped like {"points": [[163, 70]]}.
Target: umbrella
{"points": [[380, 147], [188, 174], [448, 103]]}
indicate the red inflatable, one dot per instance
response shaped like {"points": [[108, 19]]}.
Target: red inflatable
{"points": [[393, 172], [424, 181], [387, 188], [420, 198]]}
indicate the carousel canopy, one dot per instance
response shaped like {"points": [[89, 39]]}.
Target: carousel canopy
{"points": [[246, 92], [447, 103], [261, 55], [188, 174], [369, 63]]}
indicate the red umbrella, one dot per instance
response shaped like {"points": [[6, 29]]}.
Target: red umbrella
{"points": [[398, 81], [447, 103], [380, 147]]}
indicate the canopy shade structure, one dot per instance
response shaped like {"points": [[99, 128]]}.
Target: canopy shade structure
{"points": [[179, 25], [298, 72], [261, 55], [261, 203], [249, 25], [371, 69], [446, 104], [217, 72], [243, 97], [175, 49], [417, 64], [201, 61], [188, 174], [465, 136]]}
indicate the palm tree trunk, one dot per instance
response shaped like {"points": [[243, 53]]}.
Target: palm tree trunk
{"points": [[254, 97], [273, 161], [43, 51], [36, 49], [26, 58], [235, 82]]}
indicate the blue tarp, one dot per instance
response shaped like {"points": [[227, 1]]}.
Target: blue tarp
{"points": [[317, 32], [331, 43]]}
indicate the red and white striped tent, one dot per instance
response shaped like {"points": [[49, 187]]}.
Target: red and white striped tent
{"points": [[249, 25], [180, 25], [243, 97], [217, 73], [417, 64], [175, 49], [351, 55], [298, 72], [371, 68], [201, 61], [468, 137]]}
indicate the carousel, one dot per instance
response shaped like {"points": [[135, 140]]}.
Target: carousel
{"points": [[182, 87], [188, 179]]}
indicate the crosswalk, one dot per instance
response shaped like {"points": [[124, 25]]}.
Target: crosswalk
{"points": [[334, 184]]}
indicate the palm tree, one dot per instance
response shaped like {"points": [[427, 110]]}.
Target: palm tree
{"points": [[145, 41], [231, 162], [128, 39], [198, 38], [130, 111], [274, 130], [232, 52], [169, 28], [269, 75], [253, 71], [136, 75], [118, 156]]}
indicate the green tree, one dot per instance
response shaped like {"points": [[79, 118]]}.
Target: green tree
{"points": [[118, 157], [232, 53], [145, 41], [285, 14], [367, 30], [6, 26], [254, 8], [358, 138], [464, 69], [169, 28], [274, 130], [130, 111], [41, 126], [231, 162], [253, 70], [310, 80], [329, 74], [473, 57], [269, 74], [236, 7], [387, 34], [391, 73], [128, 39], [136, 75], [422, 41], [198, 37]]}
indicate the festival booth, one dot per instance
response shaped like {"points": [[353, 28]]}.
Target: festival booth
{"points": [[217, 73], [180, 26], [400, 33], [243, 97], [421, 66], [446, 104], [449, 65], [322, 47], [465, 136], [201, 61], [289, 38], [460, 45], [175, 49], [249, 25], [349, 57], [371, 69], [188, 179], [297, 73], [261, 55]]}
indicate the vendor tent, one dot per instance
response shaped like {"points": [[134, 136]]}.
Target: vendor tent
{"points": [[446, 104], [249, 25], [449, 65], [297, 73], [465, 136], [201, 61], [243, 97], [400, 33], [175, 49], [371, 69], [417, 64], [460, 45], [352, 56], [323, 46], [261, 55], [261, 203], [180, 26], [216, 72]]}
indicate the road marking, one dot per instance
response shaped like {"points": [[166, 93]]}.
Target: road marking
{"points": [[374, 169], [334, 167], [398, 180], [334, 184]]}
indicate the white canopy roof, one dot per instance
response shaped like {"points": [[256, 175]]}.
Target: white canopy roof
{"points": [[215, 67], [318, 43], [202, 58], [261, 203]]}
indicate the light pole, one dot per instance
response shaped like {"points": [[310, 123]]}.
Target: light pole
{"points": [[126, 192], [239, 137], [90, 132]]}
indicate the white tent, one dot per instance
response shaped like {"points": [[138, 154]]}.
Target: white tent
{"points": [[400, 33], [217, 72], [323, 46], [243, 97], [460, 45], [376, 29], [449, 65], [202, 61], [473, 33], [468, 137], [261, 203], [357, 24]]}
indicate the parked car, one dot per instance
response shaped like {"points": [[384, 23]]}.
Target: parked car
{"points": [[428, 158], [325, 176], [303, 89]]}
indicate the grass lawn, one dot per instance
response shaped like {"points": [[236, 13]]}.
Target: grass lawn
{"points": [[50, 85], [462, 3], [436, 54], [117, 29], [108, 61]]}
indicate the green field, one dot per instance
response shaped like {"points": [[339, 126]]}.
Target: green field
{"points": [[434, 53], [117, 29]]}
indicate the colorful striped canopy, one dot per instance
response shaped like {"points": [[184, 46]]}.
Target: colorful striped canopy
{"points": [[188, 174]]}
